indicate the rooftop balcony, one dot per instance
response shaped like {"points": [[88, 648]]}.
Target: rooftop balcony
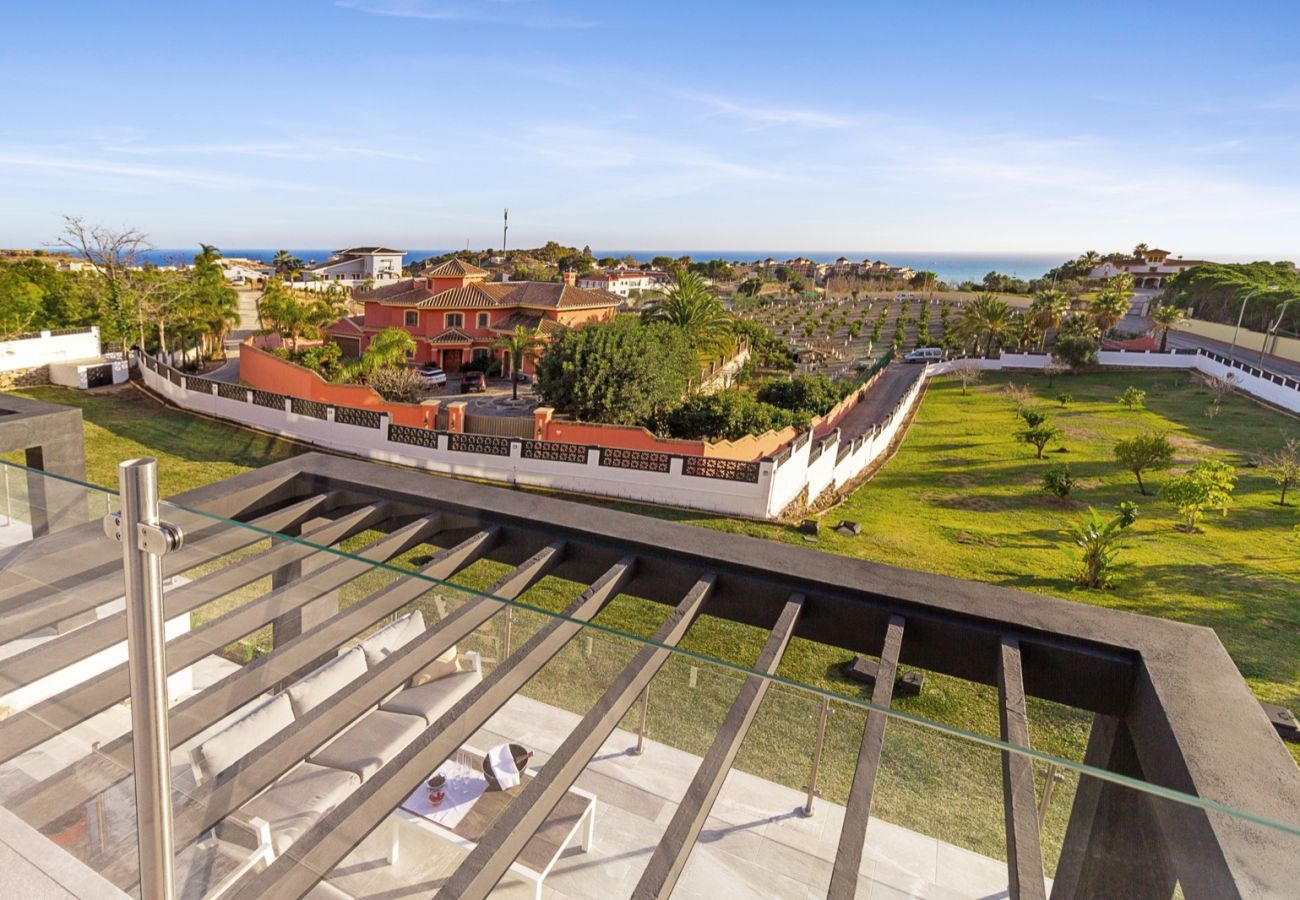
{"points": [[336, 632]]}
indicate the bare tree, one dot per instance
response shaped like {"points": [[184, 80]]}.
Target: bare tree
{"points": [[1055, 366], [1220, 388], [968, 372], [114, 255], [1283, 466]]}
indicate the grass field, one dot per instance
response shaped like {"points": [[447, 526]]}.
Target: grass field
{"points": [[961, 498]]}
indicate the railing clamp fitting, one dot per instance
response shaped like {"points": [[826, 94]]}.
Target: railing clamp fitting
{"points": [[156, 540]]}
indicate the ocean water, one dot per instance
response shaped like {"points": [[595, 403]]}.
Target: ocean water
{"points": [[950, 267]]}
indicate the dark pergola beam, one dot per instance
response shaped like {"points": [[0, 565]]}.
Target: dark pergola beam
{"points": [[42, 803], [332, 838], [1024, 850], [51, 717], [669, 859], [857, 811], [51, 656], [51, 604], [479, 872]]}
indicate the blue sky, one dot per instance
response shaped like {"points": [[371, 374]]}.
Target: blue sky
{"points": [[868, 126]]}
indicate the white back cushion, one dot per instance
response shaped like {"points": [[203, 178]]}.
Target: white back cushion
{"points": [[392, 638], [228, 747], [312, 690]]}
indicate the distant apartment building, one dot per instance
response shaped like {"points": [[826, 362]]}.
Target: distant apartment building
{"points": [[1150, 268], [355, 266], [456, 315], [624, 282]]}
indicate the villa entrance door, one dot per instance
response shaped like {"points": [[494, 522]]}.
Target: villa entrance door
{"points": [[451, 360]]}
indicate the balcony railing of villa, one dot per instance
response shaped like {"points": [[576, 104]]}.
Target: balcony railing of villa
{"points": [[331, 633]]}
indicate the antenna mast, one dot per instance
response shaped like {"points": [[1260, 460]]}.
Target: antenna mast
{"points": [[505, 228]]}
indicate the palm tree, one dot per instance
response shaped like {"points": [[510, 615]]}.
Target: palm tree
{"points": [[1166, 317], [207, 256], [985, 317], [388, 348], [1091, 259], [1107, 309], [692, 305], [523, 343], [1140, 249], [1047, 310]]}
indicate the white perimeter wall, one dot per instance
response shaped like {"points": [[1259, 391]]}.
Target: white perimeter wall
{"points": [[805, 465], [32, 353]]}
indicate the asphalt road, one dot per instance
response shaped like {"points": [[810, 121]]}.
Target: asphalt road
{"points": [[1272, 364], [881, 399]]}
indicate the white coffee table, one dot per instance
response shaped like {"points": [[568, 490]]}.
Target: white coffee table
{"points": [[573, 817]]}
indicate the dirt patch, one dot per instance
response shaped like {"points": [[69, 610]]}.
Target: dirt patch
{"points": [[959, 480], [970, 538], [952, 461], [969, 502]]}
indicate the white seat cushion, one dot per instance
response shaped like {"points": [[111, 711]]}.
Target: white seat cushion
{"points": [[370, 743], [392, 637], [232, 744], [296, 801], [312, 690], [430, 701]]}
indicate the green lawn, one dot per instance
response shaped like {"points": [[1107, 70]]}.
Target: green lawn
{"points": [[961, 498]]}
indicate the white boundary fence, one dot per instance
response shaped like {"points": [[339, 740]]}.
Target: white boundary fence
{"points": [[1277, 390], [40, 348], [761, 489]]}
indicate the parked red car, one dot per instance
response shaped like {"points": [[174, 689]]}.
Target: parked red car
{"points": [[472, 383]]}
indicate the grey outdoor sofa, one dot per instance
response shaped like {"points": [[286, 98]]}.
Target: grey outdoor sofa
{"points": [[267, 825]]}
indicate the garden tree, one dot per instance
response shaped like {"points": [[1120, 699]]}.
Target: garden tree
{"points": [[1220, 388], [770, 351], [663, 263], [1283, 466], [285, 264], [1206, 485], [1078, 342], [691, 305], [985, 319], [1099, 544], [22, 302], [1216, 291], [813, 394], [1166, 317], [575, 262], [1047, 311], [113, 254], [283, 313], [522, 344], [1032, 415], [213, 305], [968, 372], [729, 415], [1140, 249], [1133, 397], [784, 274], [621, 371], [1040, 435], [1149, 452], [1055, 366], [399, 384]]}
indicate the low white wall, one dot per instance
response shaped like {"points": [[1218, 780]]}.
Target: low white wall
{"points": [[1275, 389], [73, 374], [47, 347]]}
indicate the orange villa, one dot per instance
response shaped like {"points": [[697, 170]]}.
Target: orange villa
{"points": [[455, 314]]}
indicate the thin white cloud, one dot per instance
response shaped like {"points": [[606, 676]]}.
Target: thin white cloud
{"points": [[297, 151], [772, 115], [522, 13], [219, 181]]}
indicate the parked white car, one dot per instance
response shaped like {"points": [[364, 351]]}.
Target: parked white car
{"points": [[432, 375], [924, 355]]}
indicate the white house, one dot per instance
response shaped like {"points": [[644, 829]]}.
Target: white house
{"points": [[355, 266], [1149, 268], [622, 281]]}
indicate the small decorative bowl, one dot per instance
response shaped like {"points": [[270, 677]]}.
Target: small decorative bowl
{"points": [[521, 757]]}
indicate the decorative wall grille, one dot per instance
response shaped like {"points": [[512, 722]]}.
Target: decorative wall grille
{"points": [[479, 443], [641, 460], [555, 451], [176, 378], [362, 418], [232, 392], [195, 383], [725, 469], [268, 399], [418, 437], [308, 408]]}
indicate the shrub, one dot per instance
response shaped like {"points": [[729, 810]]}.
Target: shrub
{"points": [[1206, 485], [1127, 511], [1146, 452], [1033, 416], [395, 383], [1078, 351], [1099, 544], [730, 415], [813, 394], [1133, 397], [1057, 480], [1064, 398], [1283, 466]]}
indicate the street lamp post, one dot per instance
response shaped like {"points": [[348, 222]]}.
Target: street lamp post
{"points": [[1241, 315], [1273, 331]]}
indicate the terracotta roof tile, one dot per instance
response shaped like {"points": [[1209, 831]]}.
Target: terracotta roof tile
{"points": [[451, 336], [483, 295], [454, 267]]}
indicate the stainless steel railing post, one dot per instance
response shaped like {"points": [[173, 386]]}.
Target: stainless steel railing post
{"points": [[817, 755], [645, 712], [145, 540]]}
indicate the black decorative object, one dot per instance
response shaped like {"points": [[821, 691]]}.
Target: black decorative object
{"points": [[521, 757]]}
